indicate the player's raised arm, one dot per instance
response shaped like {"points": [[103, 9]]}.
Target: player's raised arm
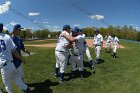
{"points": [[72, 38]]}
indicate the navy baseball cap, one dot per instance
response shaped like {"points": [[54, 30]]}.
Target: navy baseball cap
{"points": [[80, 30], [113, 35], [96, 30], [66, 26], [1, 26], [17, 26], [75, 29]]}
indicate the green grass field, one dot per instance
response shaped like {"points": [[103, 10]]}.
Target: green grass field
{"points": [[40, 42], [120, 75]]}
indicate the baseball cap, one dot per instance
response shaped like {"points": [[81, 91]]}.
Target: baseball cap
{"points": [[17, 26], [80, 30], [66, 26], [75, 29], [1, 26], [96, 30], [113, 35]]}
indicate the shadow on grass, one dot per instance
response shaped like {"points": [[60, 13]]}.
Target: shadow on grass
{"points": [[87, 64], [101, 61], [43, 87], [86, 74], [115, 56]]}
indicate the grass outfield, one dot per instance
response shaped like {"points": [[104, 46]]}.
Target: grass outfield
{"points": [[41, 42], [120, 75]]}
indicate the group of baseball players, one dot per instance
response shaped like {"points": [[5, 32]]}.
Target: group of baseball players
{"points": [[72, 42], [71, 46], [11, 59]]}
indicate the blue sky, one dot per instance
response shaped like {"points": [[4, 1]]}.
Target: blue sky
{"points": [[53, 14]]}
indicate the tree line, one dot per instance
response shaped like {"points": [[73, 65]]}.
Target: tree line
{"points": [[125, 32]]}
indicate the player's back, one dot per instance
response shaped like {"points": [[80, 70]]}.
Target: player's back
{"points": [[62, 42], [115, 40], [5, 48], [109, 38], [79, 45], [98, 39]]}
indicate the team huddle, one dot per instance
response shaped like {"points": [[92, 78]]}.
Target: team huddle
{"points": [[72, 47]]}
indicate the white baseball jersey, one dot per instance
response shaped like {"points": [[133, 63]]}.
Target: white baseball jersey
{"points": [[115, 41], [98, 39], [62, 42], [84, 40], [109, 38], [6, 47], [78, 48], [83, 35]]}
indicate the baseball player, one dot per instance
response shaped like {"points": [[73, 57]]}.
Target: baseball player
{"points": [[20, 46], [77, 51], [98, 42], [108, 39], [115, 45], [61, 53], [86, 50], [8, 70]]}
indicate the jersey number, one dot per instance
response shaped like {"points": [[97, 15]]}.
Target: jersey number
{"points": [[2, 46]]}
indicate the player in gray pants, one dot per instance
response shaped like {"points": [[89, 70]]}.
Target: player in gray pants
{"points": [[77, 52]]}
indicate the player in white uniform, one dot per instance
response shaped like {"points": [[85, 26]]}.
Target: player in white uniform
{"points": [[115, 45], [108, 39], [61, 53], [86, 51], [98, 42], [77, 51], [8, 70]]}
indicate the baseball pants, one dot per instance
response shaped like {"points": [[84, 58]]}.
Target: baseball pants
{"points": [[76, 60], [9, 74], [115, 48], [97, 51], [20, 71], [61, 60], [107, 45], [87, 52]]}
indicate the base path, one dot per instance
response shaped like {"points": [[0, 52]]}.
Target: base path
{"points": [[89, 42]]}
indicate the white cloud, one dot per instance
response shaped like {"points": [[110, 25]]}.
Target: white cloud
{"points": [[76, 25], [5, 7], [33, 14], [137, 28], [97, 17], [5, 28], [34, 21], [13, 23], [7, 25], [57, 30], [45, 22], [55, 26], [48, 26]]}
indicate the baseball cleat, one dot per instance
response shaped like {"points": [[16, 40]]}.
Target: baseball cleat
{"points": [[61, 81], [56, 75], [27, 90], [93, 69], [81, 77], [72, 77]]}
